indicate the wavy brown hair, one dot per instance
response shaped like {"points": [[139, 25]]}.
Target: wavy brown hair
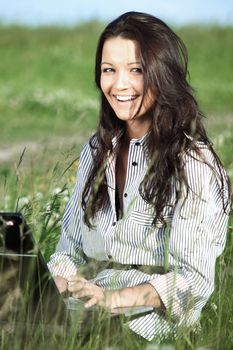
{"points": [[175, 114]]}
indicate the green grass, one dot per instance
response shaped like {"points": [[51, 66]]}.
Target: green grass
{"points": [[46, 81], [211, 63], [47, 77], [47, 96]]}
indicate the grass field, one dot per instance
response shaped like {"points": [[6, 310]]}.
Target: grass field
{"points": [[49, 107]]}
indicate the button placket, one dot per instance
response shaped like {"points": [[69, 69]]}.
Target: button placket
{"points": [[131, 172]]}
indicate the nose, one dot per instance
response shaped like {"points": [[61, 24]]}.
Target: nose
{"points": [[121, 80]]}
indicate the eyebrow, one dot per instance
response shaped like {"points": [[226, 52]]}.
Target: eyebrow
{"points": [[137, 62]]}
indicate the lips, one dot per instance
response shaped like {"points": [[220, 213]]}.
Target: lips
{"points": [[125, 98]]}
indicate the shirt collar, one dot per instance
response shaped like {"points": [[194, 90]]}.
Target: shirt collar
{"points": [[143, 141]]}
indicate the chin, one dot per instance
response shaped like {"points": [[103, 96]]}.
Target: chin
{"points": [[124, 118], [125, 115]]}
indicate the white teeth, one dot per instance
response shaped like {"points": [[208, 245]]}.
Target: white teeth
{"points": [[125, 98]]}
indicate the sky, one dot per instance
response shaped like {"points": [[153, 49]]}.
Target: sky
{"points": [[71, 12]]}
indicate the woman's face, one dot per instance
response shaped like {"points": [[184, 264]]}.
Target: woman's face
{"points": [[122, 78]]}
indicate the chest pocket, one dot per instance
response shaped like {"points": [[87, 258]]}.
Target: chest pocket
{"points": [[146, 219], [140, 218], [142, 213]]}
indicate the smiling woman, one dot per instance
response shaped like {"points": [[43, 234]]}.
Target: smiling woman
{"points": [[123, 85], [152, 199]]}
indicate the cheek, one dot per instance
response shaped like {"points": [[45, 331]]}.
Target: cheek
{"points": [[149, 100], [138, 84], [105, 85], [101, 84]]}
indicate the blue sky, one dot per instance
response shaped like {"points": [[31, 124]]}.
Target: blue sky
{"points": [[69, 12]]}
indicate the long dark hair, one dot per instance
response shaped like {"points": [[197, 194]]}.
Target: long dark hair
{"points": [[175, 114]]}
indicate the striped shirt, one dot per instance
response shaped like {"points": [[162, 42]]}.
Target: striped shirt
{"points": [[196, 237]]}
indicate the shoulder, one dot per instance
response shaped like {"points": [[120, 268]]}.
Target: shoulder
{"points": [[203, 169], [199, 152], [89, 148], [201, 158], [85, 160]]}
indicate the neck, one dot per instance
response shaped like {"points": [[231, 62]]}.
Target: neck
{"points": [[135, 129]]}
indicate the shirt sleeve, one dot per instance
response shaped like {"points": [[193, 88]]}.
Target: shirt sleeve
{"points": [[197, 238], [69, 255]]}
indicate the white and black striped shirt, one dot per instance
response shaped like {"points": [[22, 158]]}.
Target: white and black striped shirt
{"points": [[196, 238]]}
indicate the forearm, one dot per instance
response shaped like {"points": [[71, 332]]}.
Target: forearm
{"points": [[140, 295], [112, 299]]}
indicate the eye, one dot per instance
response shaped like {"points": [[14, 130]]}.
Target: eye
{"points": [[137, 70], [107, 70]]}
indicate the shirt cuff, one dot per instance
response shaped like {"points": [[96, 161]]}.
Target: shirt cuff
{"points": [[173, 292], [62, 266]]}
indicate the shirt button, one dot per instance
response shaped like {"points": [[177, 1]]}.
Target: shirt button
{"points": [[137, 143], [114, 223], [134, 163], [125, 194]]}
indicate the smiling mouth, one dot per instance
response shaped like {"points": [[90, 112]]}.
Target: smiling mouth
{"points": [[125, 98]]}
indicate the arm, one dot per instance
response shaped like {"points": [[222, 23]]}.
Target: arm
{"points": [[140, 295], [197, 238], [64, 261], [68, 254]]}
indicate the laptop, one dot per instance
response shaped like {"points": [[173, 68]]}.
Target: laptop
{"points": [[28, 293]]}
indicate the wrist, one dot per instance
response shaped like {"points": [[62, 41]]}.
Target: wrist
{"points": [[124, 297], [142, 295]]}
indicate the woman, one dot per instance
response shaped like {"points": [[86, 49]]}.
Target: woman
{"points": [[150, 207]]}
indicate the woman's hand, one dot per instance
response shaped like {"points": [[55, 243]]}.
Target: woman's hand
{"points": [[141, 295], [62, 284], [81, 288]]}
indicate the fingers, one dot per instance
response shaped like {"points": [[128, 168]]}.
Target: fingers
{"points": [[91, 302], [75, 278], [81, 289], [83, 293], [76, 284]]}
